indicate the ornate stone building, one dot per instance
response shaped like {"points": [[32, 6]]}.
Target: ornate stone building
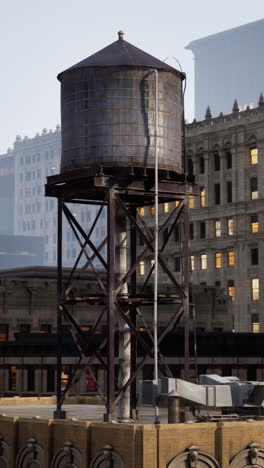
{"points": [[226, 154]]}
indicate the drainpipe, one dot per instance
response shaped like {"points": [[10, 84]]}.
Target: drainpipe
{"points": [[156, 248]]}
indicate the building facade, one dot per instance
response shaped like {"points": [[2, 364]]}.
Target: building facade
{"points": [[28, 344], [228, 65], [7, 190], [36, 215], [227, 220], [226, 155]]}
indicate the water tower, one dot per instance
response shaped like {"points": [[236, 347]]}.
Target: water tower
{"points": [[122, 150]]}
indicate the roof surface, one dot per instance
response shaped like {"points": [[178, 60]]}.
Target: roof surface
{"points": [[122, 53], [226, 34]]}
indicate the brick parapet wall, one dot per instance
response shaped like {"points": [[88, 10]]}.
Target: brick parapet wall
{"points": [[134, 445]]}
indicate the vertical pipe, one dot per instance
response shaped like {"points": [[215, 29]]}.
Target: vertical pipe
{"points": [[124, 329], [186, 259], [133, 316], [156, 248], [111, 305], [195, 345], [57, 413]]}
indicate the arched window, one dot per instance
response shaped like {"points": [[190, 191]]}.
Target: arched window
{"points": [[216, 161], [201, 163], [228, 159], [190, 166]]}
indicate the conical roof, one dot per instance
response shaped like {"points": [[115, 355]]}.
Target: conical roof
{"points": [[122, 53]]}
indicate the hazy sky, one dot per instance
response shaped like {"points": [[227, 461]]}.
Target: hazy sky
{"points": [[38, 39]]}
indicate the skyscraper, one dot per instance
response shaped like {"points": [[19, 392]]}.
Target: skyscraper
{"points": [[228, 65]]}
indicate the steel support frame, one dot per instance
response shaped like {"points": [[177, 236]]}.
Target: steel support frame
{"points": [[128, 306]]}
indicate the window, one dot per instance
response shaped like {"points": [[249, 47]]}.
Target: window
{"points": [[228, 160], [254, 256], [226, 370], [177, 264], [254, 223], [142, 268], [254, 188], [3, 332], [216, 162], [251, 372], [24, 328], [50, 378], [202, 197], [141, 211], [230, 226], [231, 288], [201, 162], [218, 284], [217, 194], [90, 383], [254, 155], [12, 378], [152, 210], [255, 289], [192, 262], [255, 323], [152, 263], [177, 203], [191, 231], [231, 258], [191, 201], [85, 328], [203, 261], [217, 228], [45, 328], [31, 379], [190, 166], [202, 230], [166, 207], [229, 192], [218, 260]]}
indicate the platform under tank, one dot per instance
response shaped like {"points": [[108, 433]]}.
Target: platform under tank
{"points": [[108, 111]]}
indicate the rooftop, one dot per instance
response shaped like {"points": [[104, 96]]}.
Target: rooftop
{"points": [[122, 53], [249, 27]]}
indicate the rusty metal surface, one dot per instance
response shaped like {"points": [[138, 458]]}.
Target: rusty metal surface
{"points": [[122, 53], [69, 186], [108, 118]]}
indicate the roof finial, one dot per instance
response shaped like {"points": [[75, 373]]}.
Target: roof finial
{"points": [[120, 35], [208, 114], [261, 100], [235, 107]]}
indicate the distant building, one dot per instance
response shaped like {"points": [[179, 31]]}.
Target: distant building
{"points": [[226, 154], [28, 343], [35, 215], [228, 65], [7, 193]]}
